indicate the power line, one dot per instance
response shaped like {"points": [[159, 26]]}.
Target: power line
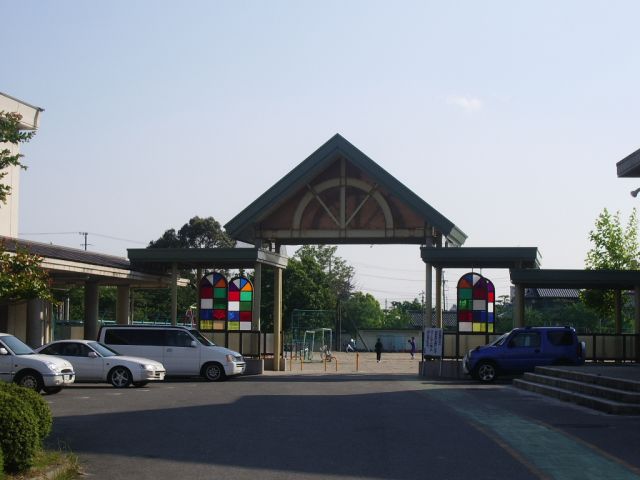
{"points": [[82, 233]]}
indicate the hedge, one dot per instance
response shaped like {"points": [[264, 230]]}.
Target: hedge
{"points": [[39, 406], [25, 420]]}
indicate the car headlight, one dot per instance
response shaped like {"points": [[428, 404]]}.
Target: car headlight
{"points": [[148, 368], [54, 367]]}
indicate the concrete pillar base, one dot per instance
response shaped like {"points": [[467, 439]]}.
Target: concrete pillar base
{"points": [[451, 369]]}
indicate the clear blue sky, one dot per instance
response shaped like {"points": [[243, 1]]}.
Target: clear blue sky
{"points": [[507, 117]]}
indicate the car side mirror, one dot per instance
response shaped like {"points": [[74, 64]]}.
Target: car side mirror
{"points": [[92, 355], [194, 344], [4, 351]]}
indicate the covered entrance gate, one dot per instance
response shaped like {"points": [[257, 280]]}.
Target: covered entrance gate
{"points": [[338, 195]]}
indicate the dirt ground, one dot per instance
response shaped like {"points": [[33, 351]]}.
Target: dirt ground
{"points": [[357, 362]]}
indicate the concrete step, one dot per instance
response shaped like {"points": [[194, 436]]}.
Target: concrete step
{"points": [[586, 388], [603, 405], [579, 376]]}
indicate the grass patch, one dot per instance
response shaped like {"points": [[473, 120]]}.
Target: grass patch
{"points": [[52, 465]]}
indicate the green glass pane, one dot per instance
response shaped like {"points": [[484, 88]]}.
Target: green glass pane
{"points": [[245, 306], [220, 305], [465, 293], [464, 304], [246, 296], [219, 293]]}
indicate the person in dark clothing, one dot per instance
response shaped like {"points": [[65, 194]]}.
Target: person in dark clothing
{"points": [[412, 344], [378, 349]]}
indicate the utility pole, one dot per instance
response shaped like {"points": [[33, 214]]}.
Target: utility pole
{"points": [[85, 239]]}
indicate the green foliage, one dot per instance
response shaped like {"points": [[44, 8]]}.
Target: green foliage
{"points": [[360, 311], [11, 134], [315, 279], [22, 277], [614, 248], [37, 404], [398, 315], [19, 432], [197, 233]]}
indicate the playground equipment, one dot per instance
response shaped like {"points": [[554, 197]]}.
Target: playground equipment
{"points": [[317, 345]]}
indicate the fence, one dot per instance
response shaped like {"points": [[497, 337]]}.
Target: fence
{"points": [[624, 347]]}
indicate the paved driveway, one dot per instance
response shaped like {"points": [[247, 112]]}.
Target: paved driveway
{"points": [[352, 425]]}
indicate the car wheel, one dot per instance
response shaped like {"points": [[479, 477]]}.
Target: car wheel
{"points": [[139, 384], [486, 372], [30, 379], [120, 377], [213, 372], [52, 390]]}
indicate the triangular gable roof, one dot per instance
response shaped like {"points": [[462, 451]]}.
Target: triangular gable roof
{"points": [[246, 225]]}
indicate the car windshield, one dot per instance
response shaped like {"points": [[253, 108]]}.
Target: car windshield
{"points": [[16, 346], [202, 339], [103, 350], [498, 341]]}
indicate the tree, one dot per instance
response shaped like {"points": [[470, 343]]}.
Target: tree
{"points": [[10, 134], [197, 233], [155, 304], [315, 279], [398, 316], [614, 247], [360, 311], [22, 277]]}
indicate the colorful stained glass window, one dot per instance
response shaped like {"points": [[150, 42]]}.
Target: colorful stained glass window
{"points": [[240, 304], [476, 299], [213, 302]]}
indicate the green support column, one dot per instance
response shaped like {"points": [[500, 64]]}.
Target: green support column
{"points": [[518, 307], [617, 295], [636, 328], [439, 297], [257, 296], [174, 293], [196, 320], [277, 317]]}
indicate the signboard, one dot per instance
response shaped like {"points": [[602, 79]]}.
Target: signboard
{"points": [[433, 341]]}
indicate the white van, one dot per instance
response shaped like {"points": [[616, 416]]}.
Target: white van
{"points": [[183, 351]]}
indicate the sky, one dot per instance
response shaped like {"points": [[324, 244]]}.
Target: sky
{"points": [[507, 117]]}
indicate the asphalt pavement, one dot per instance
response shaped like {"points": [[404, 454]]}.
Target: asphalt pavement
{"points": [[382, 421]]}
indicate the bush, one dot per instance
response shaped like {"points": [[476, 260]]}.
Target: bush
{"points": [[39, 406], [19, 431]]}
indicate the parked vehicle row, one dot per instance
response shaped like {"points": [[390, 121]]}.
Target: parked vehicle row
{"points": [[151, 353]]}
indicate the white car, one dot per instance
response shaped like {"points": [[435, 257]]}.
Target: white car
{"points": [[94, 362], [21, 365]]}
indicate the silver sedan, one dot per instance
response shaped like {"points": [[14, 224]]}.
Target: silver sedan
{"points": [[95, 362]]}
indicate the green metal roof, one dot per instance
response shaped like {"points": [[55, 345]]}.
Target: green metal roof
{"points": [[629, 166], [241, 226], [162, 258], [482, 257], [596, 279]]}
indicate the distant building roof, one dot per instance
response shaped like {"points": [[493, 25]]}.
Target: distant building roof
{"points": [[569, 293]]}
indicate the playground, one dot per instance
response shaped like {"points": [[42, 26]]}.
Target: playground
{"points": [[354, 363]]}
